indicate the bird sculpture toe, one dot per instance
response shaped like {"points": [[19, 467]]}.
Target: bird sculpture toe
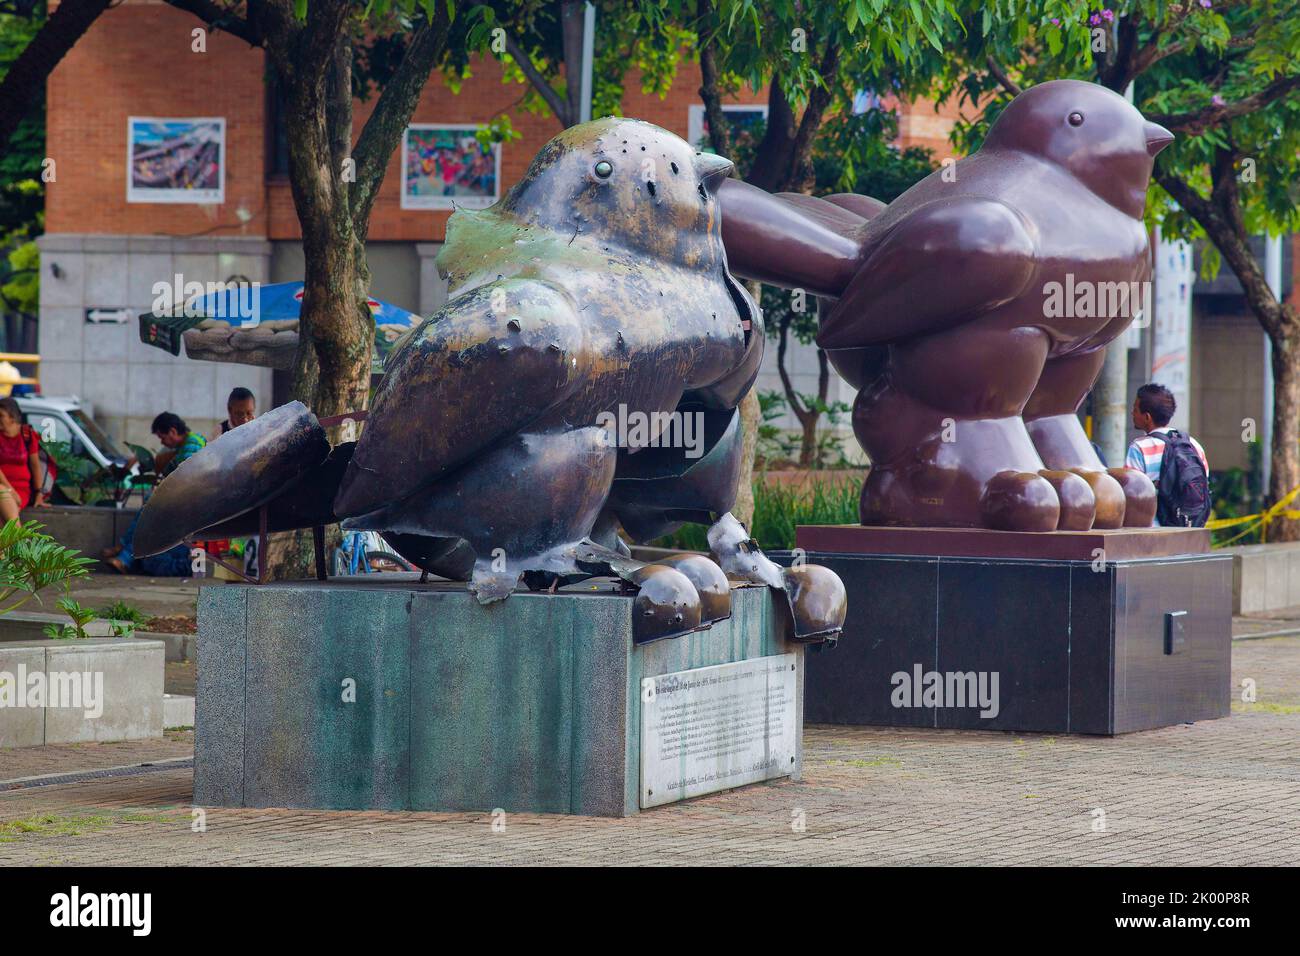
{"points": [[817, 601], [666, 603], [710, 583], [1019, 501], [1078, 503], [1109, 497], [1139, 497]]}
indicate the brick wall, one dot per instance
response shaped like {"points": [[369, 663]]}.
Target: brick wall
{"points": [[136, 61]]}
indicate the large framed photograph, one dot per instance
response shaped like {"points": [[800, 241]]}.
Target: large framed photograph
{"points": [[745, 120], [445, 166], [176, 160]]}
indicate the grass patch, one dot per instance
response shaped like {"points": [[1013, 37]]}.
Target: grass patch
{"points": [[779, 509], [57, 825], [52, 824], [1259, 707]]}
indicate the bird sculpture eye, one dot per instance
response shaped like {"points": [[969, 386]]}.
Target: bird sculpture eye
{"points": [[1076, 119], [604, 169]]}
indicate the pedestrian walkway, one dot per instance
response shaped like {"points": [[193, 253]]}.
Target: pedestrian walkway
{"points": [[1223, 792]]}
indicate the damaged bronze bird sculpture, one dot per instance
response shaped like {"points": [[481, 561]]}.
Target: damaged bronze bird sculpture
{"points": [[584, 376]]}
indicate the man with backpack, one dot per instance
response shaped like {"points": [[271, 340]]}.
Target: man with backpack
{"points": [[1175, 462]]}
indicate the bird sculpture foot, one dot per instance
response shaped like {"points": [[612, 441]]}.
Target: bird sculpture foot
{"points": [[668, 601], [815, 596], [1007, 500]]}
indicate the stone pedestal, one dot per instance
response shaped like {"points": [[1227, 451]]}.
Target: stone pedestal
{"points": [[375, 693], [1092, 632]]}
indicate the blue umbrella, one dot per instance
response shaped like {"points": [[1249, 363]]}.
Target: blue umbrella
{"points": [[255, 325]]}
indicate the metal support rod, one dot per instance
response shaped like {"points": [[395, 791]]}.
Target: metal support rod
{"points": [[318, 539], [261, 544]]}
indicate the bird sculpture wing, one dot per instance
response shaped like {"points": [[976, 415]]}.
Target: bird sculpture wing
{"points": [[942, 264], [491, 362]]}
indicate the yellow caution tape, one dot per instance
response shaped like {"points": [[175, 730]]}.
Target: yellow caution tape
{"points": [[1259, 521]]}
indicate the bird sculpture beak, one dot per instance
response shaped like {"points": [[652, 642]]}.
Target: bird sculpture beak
{"points": [[1157, 138], [712, 170]]}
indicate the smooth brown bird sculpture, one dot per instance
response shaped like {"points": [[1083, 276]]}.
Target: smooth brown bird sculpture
{"points": [[972, 313]]}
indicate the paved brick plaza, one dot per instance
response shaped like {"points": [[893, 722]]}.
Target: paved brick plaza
{"points": [[1218, 792]]}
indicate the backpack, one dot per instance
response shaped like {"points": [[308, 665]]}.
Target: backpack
{"points": [[1183, 486]]}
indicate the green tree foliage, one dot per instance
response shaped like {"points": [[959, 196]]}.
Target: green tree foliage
{"points": [[1224, 77]]}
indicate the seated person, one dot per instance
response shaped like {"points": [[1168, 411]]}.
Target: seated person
{"points": [[179, 443], [241, 408]]}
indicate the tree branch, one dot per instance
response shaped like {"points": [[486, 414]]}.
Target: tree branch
{"points": [[999, 74], [24, 84], [221, 18], [1196, 122], [558, 106], [715, 116], [383, 131]]}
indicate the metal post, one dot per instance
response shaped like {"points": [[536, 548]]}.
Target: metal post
{"points": [[261, 544], [318, 539], [588, 52]]}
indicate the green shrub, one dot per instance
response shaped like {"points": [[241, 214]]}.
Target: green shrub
{"points": [[31, 561], [779, 509]]}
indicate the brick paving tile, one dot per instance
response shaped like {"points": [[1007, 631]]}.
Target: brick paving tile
{"points": [[1223, 792]]}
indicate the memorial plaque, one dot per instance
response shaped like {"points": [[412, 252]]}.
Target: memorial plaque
{"points": [[713, 728]]}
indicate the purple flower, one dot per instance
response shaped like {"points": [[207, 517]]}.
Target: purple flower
{"points": [[1056, 21], [1217, 100], [1108, 15], [1206, 4], [1095, 19]]}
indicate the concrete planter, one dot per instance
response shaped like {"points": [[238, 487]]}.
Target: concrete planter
{"points": [[30, 626], [97, 689], [88, 529], [1265, 577]]}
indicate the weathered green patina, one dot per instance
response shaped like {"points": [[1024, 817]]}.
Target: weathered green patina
{"points": [[526, 705]]}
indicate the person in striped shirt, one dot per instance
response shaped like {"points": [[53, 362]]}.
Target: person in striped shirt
{"points": [[1153, 409]]}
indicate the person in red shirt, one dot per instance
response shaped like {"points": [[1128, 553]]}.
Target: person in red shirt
{"points": [[21, 472]]}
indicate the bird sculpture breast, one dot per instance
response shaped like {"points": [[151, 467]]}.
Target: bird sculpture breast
{"points": [[582, 380]]}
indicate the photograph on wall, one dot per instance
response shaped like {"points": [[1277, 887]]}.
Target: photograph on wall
{"points": [[176, 160], [746, 121], [444, 167]]}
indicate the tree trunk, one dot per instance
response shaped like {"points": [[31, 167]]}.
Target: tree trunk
{"points": [[751, 416], [1285, 473], [1222, 219]]}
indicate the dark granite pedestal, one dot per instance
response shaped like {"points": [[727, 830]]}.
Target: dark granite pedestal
{"points": [[1092, 632]]}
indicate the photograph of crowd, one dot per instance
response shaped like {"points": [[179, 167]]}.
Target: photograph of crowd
{"points": [[444, 167], [176, 160]]}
